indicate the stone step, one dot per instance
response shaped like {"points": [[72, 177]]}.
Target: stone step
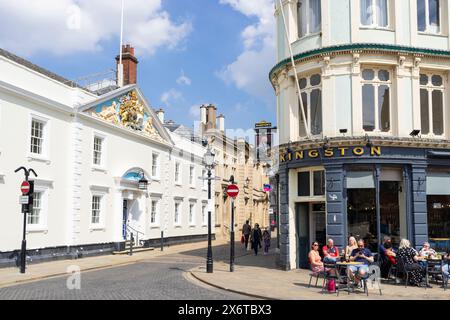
{"points": [[135, 250]]}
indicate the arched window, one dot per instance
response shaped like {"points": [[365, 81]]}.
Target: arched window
{"points": [[432, 118], [311, 92], [376, 100]]}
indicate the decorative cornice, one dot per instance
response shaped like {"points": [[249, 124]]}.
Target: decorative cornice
{"points": [[360, 47]]}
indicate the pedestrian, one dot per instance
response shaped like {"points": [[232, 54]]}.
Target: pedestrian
{"points": [[256, 238], [266, 238], [246, 230]]}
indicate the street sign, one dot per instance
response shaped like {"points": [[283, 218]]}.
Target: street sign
{"points": [[24, 199], [25, 187], [267, 188], [232, 190]]}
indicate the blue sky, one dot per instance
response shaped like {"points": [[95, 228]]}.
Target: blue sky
{"points": [[190, 51]]}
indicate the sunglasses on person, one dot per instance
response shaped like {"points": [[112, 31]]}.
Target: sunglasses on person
{"points": [[315, 245]]}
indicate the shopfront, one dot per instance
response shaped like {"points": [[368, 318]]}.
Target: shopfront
{"points": [[365, 192]]}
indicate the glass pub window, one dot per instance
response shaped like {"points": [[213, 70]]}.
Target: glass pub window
{"points": [[153, 212], [432, 104], [95, 209], [428, 16], [319, 183], [311, 93], [303, 181], [309, 17], [154, 165], [34, 216], [374, 13], [376, 85]]}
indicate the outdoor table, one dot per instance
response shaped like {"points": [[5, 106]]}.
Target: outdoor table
{"points": [[342, 266]]}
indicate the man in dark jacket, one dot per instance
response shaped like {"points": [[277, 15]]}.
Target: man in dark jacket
{"points": [[256, 238], [246, 230]]}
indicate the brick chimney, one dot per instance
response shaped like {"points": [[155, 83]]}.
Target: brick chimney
{"points": [[211, 117], [130, 63]]}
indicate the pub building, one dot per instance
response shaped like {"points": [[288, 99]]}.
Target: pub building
{"points": [[364, 124]]}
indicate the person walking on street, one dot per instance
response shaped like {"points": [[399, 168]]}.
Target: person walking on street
{"points": [[266, 238], [246, 230], [256, 238]]}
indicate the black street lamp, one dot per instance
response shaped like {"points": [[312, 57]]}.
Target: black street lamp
{"points": [[209, 164], [26, 208]]}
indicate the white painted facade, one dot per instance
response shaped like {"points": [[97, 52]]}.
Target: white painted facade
{"points": [[81, 194]]}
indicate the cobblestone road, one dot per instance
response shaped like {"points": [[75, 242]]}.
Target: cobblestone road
{"points": [[157, 278]]}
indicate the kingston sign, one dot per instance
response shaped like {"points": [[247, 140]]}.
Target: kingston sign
{"points": [[339, 152]]}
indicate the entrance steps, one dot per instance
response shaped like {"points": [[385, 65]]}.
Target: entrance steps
{"points": [[136, 249]]}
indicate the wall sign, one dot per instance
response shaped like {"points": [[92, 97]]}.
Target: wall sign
{"points": [[339, 152]]}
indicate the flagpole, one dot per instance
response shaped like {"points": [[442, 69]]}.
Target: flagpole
{"points": [[308, 132], [120, 67]]}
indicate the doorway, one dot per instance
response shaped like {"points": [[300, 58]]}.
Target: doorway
{"points": [[302, 234], [318, 225]]}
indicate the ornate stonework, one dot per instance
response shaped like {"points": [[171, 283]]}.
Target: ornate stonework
{"points": [[129, 112]]}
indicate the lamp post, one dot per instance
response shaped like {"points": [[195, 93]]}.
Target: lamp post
{"points": [[209, 164]]}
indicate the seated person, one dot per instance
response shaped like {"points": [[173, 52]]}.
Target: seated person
{"points": [[315, 260], [427, 251], [363, 255], [352, 245], [445, 269], [330, 252], [410, 259]]}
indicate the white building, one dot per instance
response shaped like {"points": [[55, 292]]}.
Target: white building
{"points": [[89, 152], [370, 73]]}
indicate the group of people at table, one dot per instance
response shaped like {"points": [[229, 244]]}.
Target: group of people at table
{"points": [[357, 259]]}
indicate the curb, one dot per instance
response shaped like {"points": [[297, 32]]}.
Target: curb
{"points": [[231, 290]]}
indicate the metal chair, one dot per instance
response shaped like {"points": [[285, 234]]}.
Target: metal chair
{"points": [[434, 269], [331, 273], [316, 275], [402, 269]]}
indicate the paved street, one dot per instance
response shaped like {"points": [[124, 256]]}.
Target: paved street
{"points": [[161, 277]]}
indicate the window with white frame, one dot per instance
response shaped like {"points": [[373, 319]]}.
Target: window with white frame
{"points": [[191, 213], [311, 183], [154, 212], [177, 218], [311, 93], [309, 17], [35, 216], [429, 16], [155, 169], [376, 100], [432, 117], [204, 215], [37, 136], [98, 150], [96, 209], [375, 13], [191, 175], [177, 172], [204, 177]]}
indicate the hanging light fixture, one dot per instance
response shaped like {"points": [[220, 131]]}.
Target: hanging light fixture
{"points": [[143, 183]]}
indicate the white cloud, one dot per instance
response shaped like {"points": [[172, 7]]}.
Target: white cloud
{"points": [[171, 96], [184, 80], [249, 72], [69, 26], [194, 112]]}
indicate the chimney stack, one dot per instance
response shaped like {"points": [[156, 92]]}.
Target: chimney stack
{"points": [[211, 117], [203, 114], [221, 120], [160, 114], [130, 63]]}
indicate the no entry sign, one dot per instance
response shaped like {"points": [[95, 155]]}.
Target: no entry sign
{"points": [[25, 187], [232, 191]]}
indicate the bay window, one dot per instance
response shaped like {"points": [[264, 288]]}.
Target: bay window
{"points": [[432, 104], [374, 13], [428, 16], [311, 93], [309, 17], [376, 100]]}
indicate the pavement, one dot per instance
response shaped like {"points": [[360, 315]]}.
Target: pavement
{"points": [[259, 277]]}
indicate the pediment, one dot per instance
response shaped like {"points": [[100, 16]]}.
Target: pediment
{"points": [[128, 109]]}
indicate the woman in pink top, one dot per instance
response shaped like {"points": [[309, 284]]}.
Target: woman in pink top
{"points": [[314, 258]]}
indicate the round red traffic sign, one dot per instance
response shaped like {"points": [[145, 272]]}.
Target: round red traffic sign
{"points": [[25, 187], [232, 191]]}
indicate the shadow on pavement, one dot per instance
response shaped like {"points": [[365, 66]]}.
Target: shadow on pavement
{"points": [[242, 257]]}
